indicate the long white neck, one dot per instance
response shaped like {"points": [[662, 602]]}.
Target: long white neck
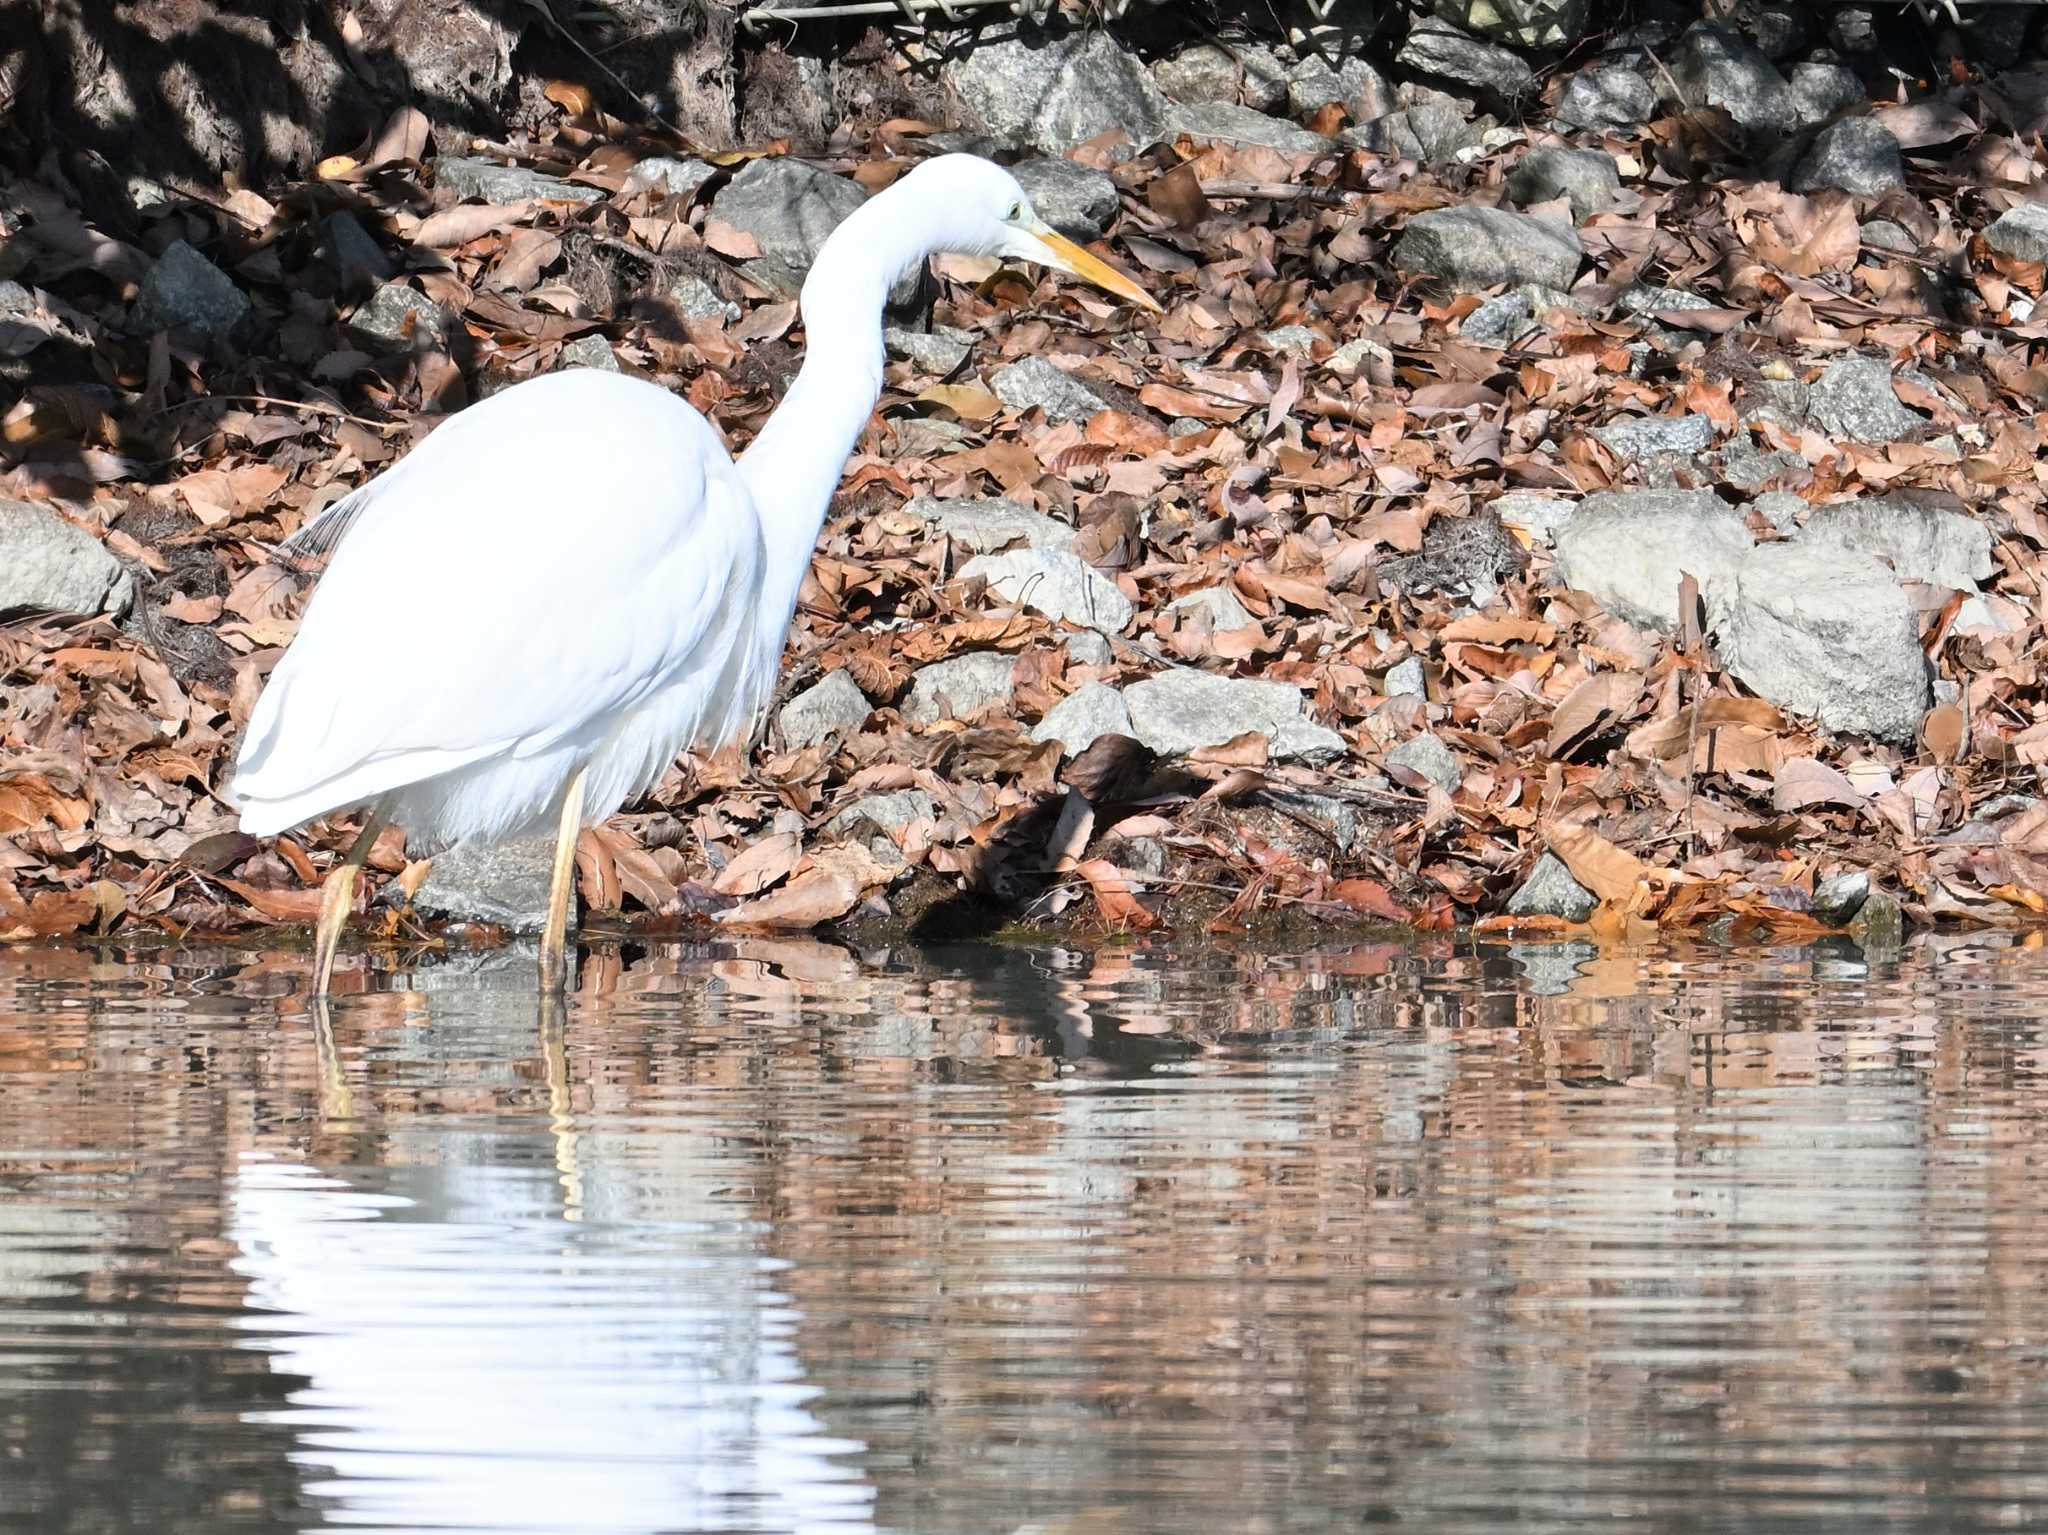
{"points": [[794, 465]]}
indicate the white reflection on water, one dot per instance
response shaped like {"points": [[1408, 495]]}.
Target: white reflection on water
{"points": [[475, 1360]]}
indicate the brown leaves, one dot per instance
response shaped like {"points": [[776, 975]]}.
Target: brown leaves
{"points": [[826, 885]]}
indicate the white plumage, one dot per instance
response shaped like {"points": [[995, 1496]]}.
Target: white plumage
{"points": [[571, 582]]}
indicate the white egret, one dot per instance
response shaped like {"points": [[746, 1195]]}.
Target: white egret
{"points": [[567, 584]]}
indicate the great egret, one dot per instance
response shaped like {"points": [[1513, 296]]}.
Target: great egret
{"points": [[567, 584]]}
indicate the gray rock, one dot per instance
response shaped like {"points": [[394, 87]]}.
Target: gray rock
{"points": [[1715, 67], [987, 525], [185, 291], [1586, 178], [1503, 319], [678, 178], [396, 316], [791, 208], [1032, 383], [1404, 679], [833, 706], [1362, 90], [1826, 632], [589, 352], [1880, 923], [966, 684], [1856, 155], [939, 350], [1838, 898], [1550, 891], [1919, 542], [1055, 582], [1539, 516], [1778, 30], [1605, 97], [698, 300], [889, 812], [1334, 818], [1646, 298], [500, 882], [1216, 606], [1642, 437], [1052, 91], [1885, 235], [1077, 200], [1296, 340], [1854, 398], [1244, 72], [1430, 130], [1182, 711], [1087, 648], [1780, 508], [2021, 232], [1230, 124], [1784, 399], [1427, 755], [1630, 549], [1819, 91], [1091, 710], [489, 182], [1434, 47], [1747, 467], [349, 250], [1472, 248], [49, 565]]}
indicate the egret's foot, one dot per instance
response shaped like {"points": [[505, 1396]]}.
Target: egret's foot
{"points": [[554, 952], [337, 896]]}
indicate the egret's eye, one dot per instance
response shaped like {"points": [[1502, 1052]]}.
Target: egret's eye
{"points": [[1016, 212]]}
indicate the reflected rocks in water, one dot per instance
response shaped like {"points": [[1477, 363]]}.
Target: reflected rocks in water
{"points": [[773, 1235]]}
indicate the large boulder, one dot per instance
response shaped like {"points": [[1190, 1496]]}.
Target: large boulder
{"points": [[1077, 200], [987, 525], [1244, 72], [505, 883], [1856, 155], [1434, 47], [963, 686], [1055, 582], [1051, 91], [1587, 179], [1183, 711], [1826, 632], [791, 208], [1091, 710], [185, 291], [1471, 247], [1854, 398], [1226, 123], [1630, 549], [1715, 67], [52, 566], [1601, 97], [1920, 542]]}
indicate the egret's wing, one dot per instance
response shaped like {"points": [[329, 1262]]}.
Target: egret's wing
{"points": [[535, 567]]}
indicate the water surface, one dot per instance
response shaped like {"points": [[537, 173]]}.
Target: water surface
{"points": [[776, 1236]]}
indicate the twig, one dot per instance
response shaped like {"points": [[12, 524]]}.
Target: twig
{"points": [[316, 407]]}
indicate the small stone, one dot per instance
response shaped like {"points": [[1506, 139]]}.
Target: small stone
{"points": [[1472, 247], [589, 352], [1216, 607], [1853, 29], [889, 812], [1184, 710], [1646, 298], [1778, 30], [1361, 89], [2021, 232], [989, 525], [939, 350], [1427, 756], [396, 316], [966, 685], [1434, 47], [349, 250], [1629, 550], [1404, 679], [1224, 122], [1052, 90], [1540, 517], [489, 182], [791, 208], [833, 706], [1087, 648], [1920, 542], [678, 178], [1820, 91], [49, 565], [1715, 67], [1642, 437], [1826, 632], [1242, 72], [1032, 383], [1586, 178], [1881, 922], [1055, 582], [1294, 340], [1505, 319], [1334, 818], [185, 291], [1854, 398], [698, 300], [503, 883], [1607, 97], [1550, 891], [1780, 508], [1838, 898], [1091, 710], [1077, 200], [1857, 155], [1433, 132], [1747, 467]]}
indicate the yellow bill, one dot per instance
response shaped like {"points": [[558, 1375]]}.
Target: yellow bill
{"points": [[1066, 256]]}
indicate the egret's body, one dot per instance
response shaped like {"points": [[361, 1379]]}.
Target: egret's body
{"points": [[569, 583]]}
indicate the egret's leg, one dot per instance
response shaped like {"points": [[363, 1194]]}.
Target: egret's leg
{"points": [[560, 892], [337, 895]]}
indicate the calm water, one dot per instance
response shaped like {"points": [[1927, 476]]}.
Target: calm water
{"points": [[778, 1237]]}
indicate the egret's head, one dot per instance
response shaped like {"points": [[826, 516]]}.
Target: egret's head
{"points": [[986, 213]]}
